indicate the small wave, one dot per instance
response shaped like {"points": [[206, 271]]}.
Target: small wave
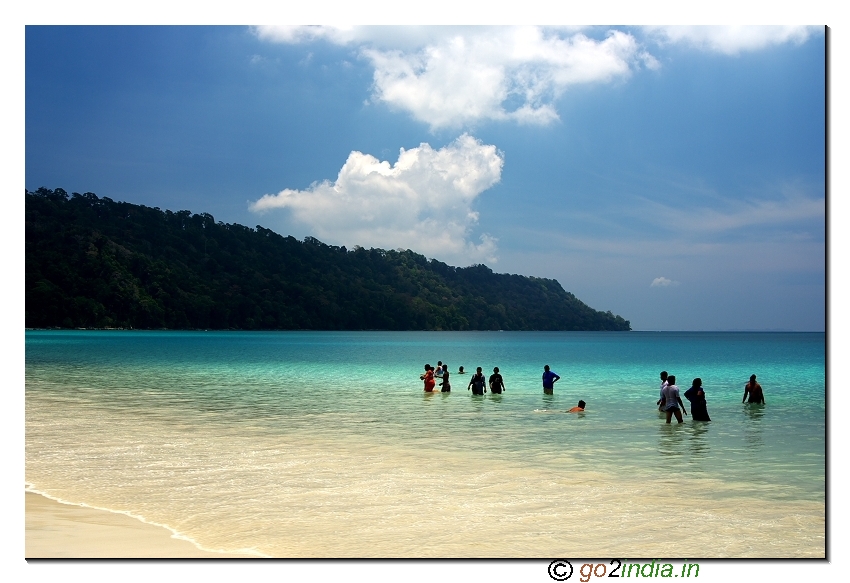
{"points": [[29, 487]]}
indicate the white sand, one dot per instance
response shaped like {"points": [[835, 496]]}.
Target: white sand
{"points": [[56, 530]]}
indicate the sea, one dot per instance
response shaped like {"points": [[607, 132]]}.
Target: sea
{"points": [[324, 444]]}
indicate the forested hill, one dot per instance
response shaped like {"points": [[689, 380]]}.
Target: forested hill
{"points": [[93, 262]]}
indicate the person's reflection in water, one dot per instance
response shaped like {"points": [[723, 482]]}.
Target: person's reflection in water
{"points": [[671, 440], [753, 430], [478, 407], [699, 440]]}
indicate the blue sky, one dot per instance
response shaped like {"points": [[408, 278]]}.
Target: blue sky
{"points": [[674, 176]]}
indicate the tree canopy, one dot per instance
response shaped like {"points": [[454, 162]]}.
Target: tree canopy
{"points": [[92, 262]]}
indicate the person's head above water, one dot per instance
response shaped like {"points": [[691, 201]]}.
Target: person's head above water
{"points": [[496, 369], [663, 375], [671, 380], [460, 369], [697, 382], [546, 367], [582, 404]]}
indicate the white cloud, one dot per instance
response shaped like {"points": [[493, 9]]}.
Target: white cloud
{"points": [[455, 76], [423, 202], [662, 282], [732, 40], [298, 34]]}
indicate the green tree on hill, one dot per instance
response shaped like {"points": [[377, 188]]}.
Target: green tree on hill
{"points": [[95, 262]]}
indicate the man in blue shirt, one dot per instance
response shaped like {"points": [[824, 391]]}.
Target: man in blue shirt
{"points": [[549, 379]]}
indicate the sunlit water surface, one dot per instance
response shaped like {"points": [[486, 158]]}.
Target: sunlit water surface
{"points": [[323, 444]]}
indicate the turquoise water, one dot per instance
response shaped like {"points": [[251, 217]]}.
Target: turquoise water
{"points": [[324, 444]]}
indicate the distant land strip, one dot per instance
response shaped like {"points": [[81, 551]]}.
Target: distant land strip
{"points": [[92, 262]]}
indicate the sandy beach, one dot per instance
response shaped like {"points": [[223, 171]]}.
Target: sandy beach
{"points": [[64, 531]]}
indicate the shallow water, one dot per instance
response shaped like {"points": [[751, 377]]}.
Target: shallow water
{"points": [[323, 443]]}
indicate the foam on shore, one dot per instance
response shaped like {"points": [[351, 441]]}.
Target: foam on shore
{"points": [[57, 528]]}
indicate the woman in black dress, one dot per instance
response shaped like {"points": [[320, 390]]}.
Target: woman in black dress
{"points": [[699, 411]]}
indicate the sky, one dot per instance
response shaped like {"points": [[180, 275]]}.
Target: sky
{"points": [[672, 175]]}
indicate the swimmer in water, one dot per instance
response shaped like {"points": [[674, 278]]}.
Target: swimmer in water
{"points": [[579, 408]]}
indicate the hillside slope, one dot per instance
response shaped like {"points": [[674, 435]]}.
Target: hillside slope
{"points": [[94, 262]]}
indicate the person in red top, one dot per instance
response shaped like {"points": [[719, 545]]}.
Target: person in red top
{"points": [[428, 377]]}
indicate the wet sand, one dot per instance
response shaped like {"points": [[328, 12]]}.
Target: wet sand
{"points": [[65, 531]]}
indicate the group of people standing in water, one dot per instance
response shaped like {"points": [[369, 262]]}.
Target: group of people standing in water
{"points": [[670, 400], [478, 385]]}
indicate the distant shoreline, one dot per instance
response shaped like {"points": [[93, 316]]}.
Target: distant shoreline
{"points": [[56, 328]]}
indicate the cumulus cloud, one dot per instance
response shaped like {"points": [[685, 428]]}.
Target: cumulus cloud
{"points": [[732, 40], [458, 76], [662, 282], [454, 76], [423, 202]]}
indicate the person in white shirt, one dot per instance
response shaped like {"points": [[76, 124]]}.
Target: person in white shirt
{"points": [[672, 400], [660, 402]]}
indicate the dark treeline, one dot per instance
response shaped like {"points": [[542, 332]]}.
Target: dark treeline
{"points": [[95, 263]]}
